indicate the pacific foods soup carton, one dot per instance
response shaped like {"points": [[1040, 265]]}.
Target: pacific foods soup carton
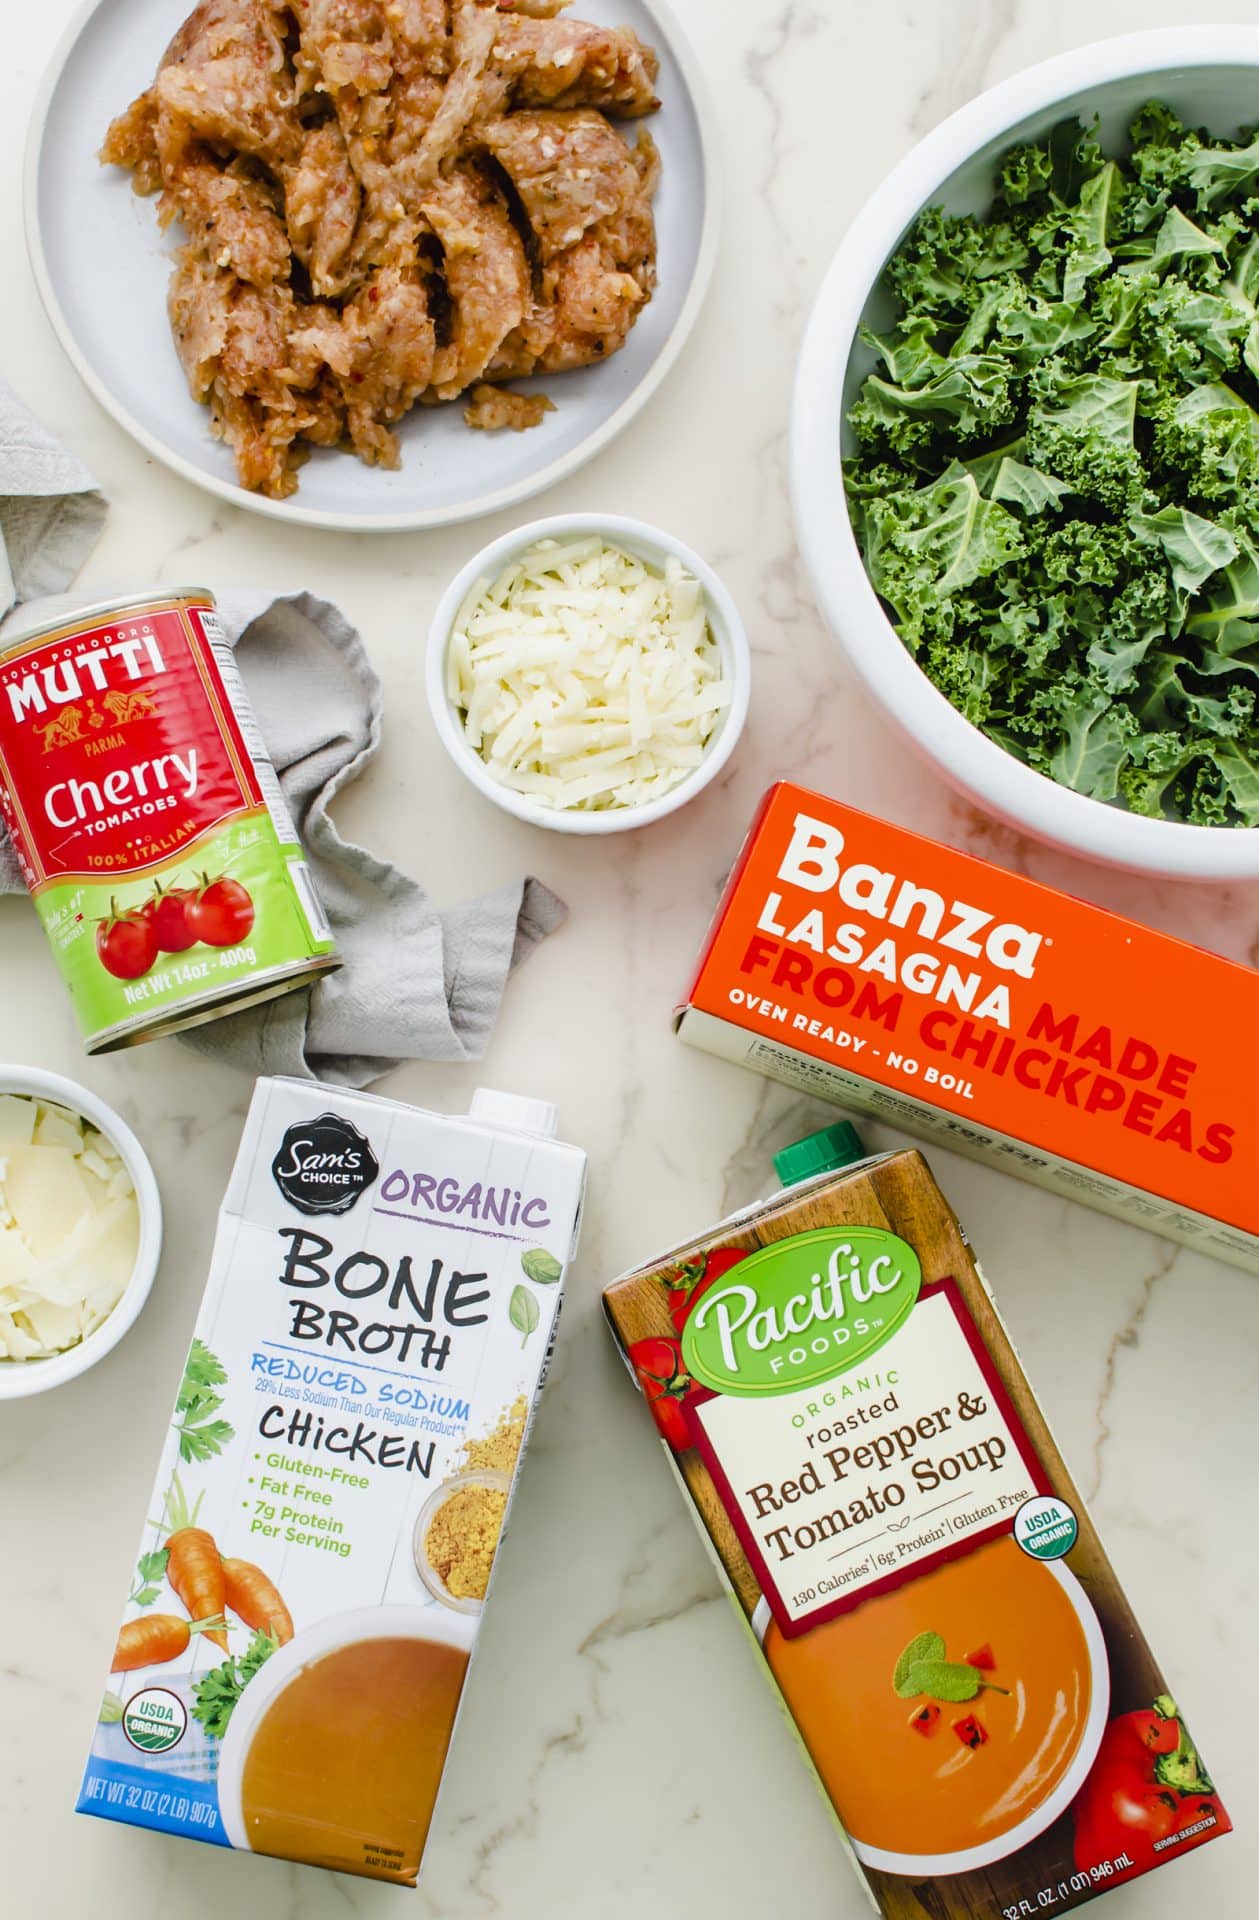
{"points": [[383, 1293], [1003, 1019], [898, 1529]]}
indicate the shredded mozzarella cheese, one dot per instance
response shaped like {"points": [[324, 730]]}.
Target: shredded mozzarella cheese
{"points": [[586, 679], [69, 1228]]}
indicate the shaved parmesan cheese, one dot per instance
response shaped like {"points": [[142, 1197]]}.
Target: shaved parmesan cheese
{"points": [[57, 1127], [69, 1228], [45, 1195], [17, 1267], [17, 1120], [585, 678]]}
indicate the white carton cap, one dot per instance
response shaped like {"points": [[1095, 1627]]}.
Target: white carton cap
{"points": [[516, 1111]]}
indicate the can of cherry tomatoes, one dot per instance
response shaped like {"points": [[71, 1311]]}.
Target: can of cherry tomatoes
{"points": [[148, 819]]}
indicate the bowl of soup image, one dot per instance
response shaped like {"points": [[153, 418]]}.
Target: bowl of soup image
{"points": [[335, 1752], [928, 1794]]}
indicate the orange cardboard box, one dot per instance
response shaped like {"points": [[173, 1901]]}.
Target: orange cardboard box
{"points": [[1008, 1021]]}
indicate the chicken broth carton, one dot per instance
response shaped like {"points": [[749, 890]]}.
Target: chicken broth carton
{"points": [[898, 1530], [1007, 1021], [383, 1294]]}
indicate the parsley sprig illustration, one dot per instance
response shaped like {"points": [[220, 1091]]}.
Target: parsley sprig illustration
{"points": [[215, 1697], [201, 1435], [150, 1573]]}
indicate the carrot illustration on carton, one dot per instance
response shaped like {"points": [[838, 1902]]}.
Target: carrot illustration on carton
{"points": [[157, 1639], [194, 1568]]}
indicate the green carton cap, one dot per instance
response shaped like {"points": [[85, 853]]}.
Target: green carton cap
{"points": [[824, 1152]]}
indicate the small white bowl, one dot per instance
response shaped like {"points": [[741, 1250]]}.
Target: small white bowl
{"points": [[21, 1378], [645, 543], [1210, 75]]}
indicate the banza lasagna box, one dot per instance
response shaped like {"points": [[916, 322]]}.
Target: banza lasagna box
{"points": [[1003, 1019]]}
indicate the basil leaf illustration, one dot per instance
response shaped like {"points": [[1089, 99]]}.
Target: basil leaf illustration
{"points": [[926, 1646], [541, 1267], [943, 1680], [522, 1311]]}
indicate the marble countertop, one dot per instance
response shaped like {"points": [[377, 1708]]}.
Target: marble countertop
{"points": [[619, 1753]]}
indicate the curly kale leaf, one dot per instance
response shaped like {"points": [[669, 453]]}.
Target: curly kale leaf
{"points": [[1083, 431], [944, 263], [926, 545], [1216, 175]]}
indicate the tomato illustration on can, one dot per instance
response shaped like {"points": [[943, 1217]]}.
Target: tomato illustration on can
{"points": [[149, 822]]}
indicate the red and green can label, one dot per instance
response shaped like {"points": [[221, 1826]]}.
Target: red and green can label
{"points": [[149, 822]]}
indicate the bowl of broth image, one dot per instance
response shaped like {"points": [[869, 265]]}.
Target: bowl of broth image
{"points": [[925, 1784], [335, 1752]]}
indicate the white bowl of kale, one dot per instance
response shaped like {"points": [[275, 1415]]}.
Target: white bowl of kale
{"points": [[1025, 450]]}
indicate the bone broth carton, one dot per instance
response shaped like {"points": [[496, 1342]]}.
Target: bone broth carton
{"points": [[383, 1294], [1007, 1021], [906, 1546]]}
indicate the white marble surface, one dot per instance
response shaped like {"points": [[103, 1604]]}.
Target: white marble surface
{"points": [[619, 1753]]}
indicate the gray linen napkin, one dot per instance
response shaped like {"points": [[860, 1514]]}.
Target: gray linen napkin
{"points": [[416, 983], [50, 510]]}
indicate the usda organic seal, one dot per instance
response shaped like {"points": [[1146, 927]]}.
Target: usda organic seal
{"points": [[1046, 1528], [155, 1720]]}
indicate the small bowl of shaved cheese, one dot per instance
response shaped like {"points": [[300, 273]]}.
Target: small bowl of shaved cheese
{"points": [[588, 673], [80, 1230]]}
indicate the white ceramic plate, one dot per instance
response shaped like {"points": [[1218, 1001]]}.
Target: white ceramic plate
{"points": [[102, 265]]}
